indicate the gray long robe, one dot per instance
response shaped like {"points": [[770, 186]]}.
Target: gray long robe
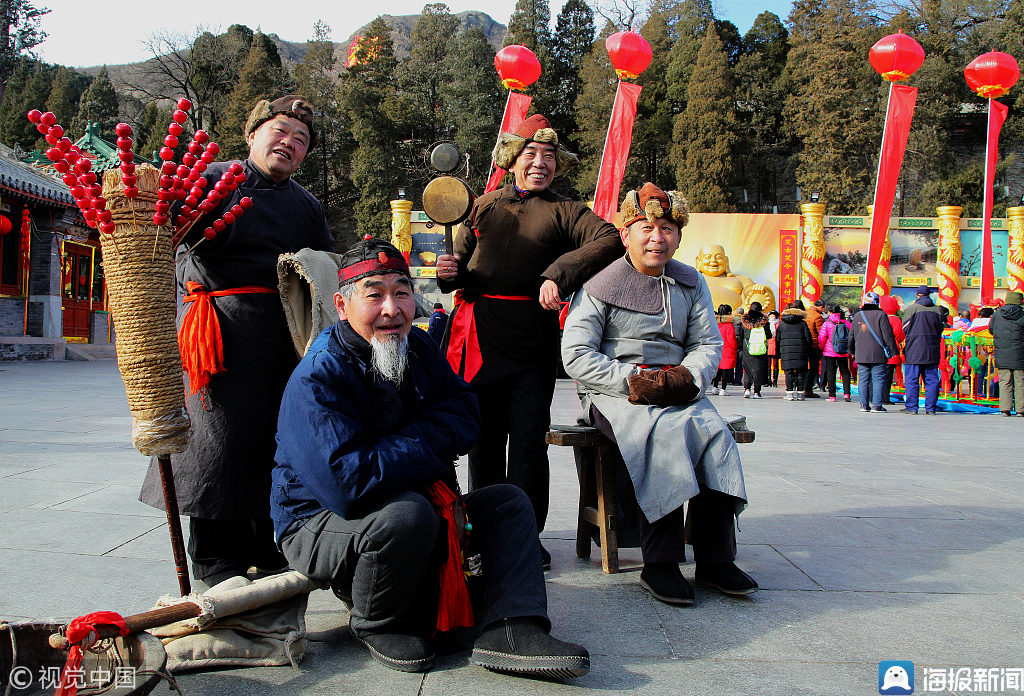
{"points": [[621, 320]]}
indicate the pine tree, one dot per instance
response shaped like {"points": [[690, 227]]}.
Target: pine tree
{"points": [[27, 89], [530, 26], [593, 109], [573, 37], [478, 95], [691, 20], [836, 104], [652, 131], [258, 79], [705, 132], [366, 97], [324, 173], [20, 32], [98, 105], [65, 94], [425, 77]]}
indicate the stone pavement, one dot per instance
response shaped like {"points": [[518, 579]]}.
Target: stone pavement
{"points": [[874, 537]]}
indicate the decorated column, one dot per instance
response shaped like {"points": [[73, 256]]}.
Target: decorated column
{"points": [[401, 226], [1015, 254], [813, 251], [948, 265]]}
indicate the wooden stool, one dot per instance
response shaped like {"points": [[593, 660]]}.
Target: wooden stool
{"points": [[597, 494]]}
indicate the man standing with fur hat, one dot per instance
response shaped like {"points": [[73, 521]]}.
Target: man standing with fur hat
{"points": [[223, 478], [642, 342], [523, 249]]}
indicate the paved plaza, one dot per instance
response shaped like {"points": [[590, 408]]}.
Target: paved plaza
{"points": [[874, 537]]}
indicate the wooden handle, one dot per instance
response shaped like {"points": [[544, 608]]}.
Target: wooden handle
{"points": [[135, 623], [449, 247]]}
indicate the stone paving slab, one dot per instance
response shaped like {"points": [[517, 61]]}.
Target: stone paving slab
{"points": [[873, 537]]}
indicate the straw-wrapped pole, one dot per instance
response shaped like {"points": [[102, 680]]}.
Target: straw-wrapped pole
{"points": [[139, 268]]}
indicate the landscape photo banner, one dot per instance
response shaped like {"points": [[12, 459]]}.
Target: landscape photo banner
{"points": [[898, 117]]}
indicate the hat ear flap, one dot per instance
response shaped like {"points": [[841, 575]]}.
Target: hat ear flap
{"points": [[260, 114], [507, 148], [680, 208], [564, 161]]}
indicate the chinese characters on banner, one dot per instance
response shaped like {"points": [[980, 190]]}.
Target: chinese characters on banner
{"points": [[788, 264]]}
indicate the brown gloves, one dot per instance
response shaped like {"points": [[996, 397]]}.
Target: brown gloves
{"points": [[671, 387]]}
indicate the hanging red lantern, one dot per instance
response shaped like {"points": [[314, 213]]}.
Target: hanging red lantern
{"points": [[5, 225], [992, 75], [896, 57], [630, 54], [517, 67]]}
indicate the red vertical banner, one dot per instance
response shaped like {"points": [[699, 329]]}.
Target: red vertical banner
{"points": [[898, 116], [788, 265], [996, 118], [515, 113], [616, 151]]}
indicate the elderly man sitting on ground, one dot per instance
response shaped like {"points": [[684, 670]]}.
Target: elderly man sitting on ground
{"points": [[365, 495], [642, 343]]}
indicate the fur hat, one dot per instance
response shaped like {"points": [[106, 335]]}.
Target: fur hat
{"points": [[369, 257], [536, 129], [651, 202], [292, 106]]}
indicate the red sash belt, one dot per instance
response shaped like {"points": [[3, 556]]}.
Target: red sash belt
{"points": [[454, 609], [199, 338], [462, 339]]}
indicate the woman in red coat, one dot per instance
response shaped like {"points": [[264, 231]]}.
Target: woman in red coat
{"points": [[729, 349]]}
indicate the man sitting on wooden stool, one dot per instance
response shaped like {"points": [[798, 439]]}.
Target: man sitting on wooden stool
{"points": [[642, 343]]}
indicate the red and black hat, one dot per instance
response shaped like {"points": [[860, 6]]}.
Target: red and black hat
{"points": [[371, 257]]}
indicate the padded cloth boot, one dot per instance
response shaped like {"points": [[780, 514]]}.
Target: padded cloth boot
{"points": [[665, 582], [399, 651], [725, 577], [520, 646]]}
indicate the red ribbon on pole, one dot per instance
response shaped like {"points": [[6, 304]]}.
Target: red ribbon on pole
{"points": [[616, 151], [898, 116], [996, 117], [77, 631], [515, 113]]}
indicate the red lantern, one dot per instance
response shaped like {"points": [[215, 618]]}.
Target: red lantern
{"points": [[992, 75], [630, 54], [5, 225], [517, 67], [896, 57]]}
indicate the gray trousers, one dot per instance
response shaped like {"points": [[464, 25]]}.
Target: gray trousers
{"points": [[1011, 390], [387, 562]]}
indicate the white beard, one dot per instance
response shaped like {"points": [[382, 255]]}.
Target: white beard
{"points": [[390, 358]]}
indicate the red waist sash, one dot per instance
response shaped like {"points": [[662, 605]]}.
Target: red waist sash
{"points": [[199, 338], [462, 339]]}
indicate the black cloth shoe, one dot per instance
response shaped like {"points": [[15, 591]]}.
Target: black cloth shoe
{"points": [[725, 577], [520, 646], [908, 412], [665, 582], [812, 395], [399, 651]]}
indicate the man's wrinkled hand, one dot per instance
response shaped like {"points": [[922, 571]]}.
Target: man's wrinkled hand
{"points": [[447, 266], [672, 387], [550, 295]]}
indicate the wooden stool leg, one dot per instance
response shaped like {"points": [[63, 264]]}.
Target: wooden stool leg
{"points": [[584, 522], [606, 512]]}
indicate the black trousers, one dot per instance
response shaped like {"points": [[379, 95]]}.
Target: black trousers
{"points": [[843, 365], [515, 413], [813, 364], [710, 516], [795, 379], [722, 377], [220, 549], [385, 564]]}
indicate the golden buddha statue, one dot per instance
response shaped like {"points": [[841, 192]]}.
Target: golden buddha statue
{"points": [[727, 287]]}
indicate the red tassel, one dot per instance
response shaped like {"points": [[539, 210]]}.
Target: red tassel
{"points": [[77, 631], [453, 606]]}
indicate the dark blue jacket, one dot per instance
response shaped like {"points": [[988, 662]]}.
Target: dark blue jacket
{"points": [[923, 325], [347, 439], [436, 325]]}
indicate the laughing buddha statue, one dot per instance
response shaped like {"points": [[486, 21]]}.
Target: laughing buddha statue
{"points": [[727, 287]]}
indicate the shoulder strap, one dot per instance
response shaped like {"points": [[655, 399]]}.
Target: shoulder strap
{"points": [[872, 330]]}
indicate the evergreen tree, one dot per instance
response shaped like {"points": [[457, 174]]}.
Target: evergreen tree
{"points": [[98, 105], [691, 20], [28, 89], [65, 94], [593, 109], [425, 77], [367, 97], [705, 132], [760, 95], [258, 79], [573, 37], [835, 105], [652, 131], [479, 98], [324, 173], [530, 26], [20, 32]]}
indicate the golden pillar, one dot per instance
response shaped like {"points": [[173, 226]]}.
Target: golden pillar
{"points": [[401, 226], [883, 281], [948, 265], [1015, 254], [813, 251]]}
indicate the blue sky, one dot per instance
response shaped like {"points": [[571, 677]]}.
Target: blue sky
{"points": [[91, 33]]}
